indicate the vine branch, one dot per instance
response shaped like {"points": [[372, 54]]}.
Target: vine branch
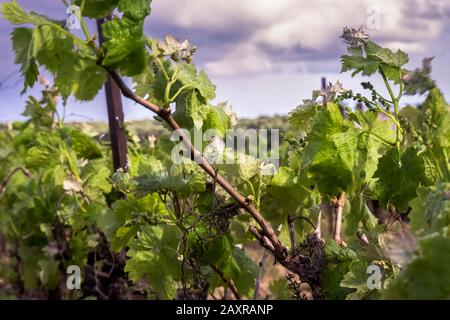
{"points": [[338, 218], [290, 221], [265, 234], [10, 175], [166, 115], [229, 282], [256, 292]]}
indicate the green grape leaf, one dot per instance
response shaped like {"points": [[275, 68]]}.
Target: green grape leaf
{"points": [[153, 256], [399, 175], [136, 9], [52, 44], [125, 46], [188, 76], [123, 237], [38, 157], [30, 269], [375, 136], [437, 110], [234, 264], [329, 120], [431, 209], [144, 83], [97, 9], [192, 183], [157, 82], [285, 195], [13, 12], [280, 290], [206, 88], [99, 179], [22, 40], [191, 110], [124, 222], [239, 167], [78, 248], [184, 184], [218, 252], [245, 278], [376, 57], [218, 120], [49, 273], [335, 253], [338, 262], [84, 146], [359, 214], [301, 117], [428, 276], [386, 56], [391, 73], [433, 126], [39, 115], [53, 47], [147, 165], [331, 153], [359, 64], [411, 114], [88, 79]]}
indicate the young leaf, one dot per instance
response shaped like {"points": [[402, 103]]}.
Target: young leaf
{"points": [[39, 115], [217, 119], [13, 12], [375, 136], [22, 41], [83, 145], [302, 116], [248, 271], [191, 110], [97, 9], [89, 79], [359, 214], [338, 261], [330, 155], [218, 252], [136, 9], [431, 209], [359, 64], [188, 76], [436, 108], [125, 46], [153, 256], [52, 47], [428, 276], [386, 56], [285, 195], [399, 175]]}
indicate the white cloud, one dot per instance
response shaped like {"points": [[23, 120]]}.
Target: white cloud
{"points": [[239, 62], [219, 13], [314, 25], [260, 30], [409, 47]]}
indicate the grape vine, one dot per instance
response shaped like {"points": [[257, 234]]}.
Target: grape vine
{"points": [[379, 178]]}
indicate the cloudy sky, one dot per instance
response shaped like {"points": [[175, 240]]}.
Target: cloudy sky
{"points": [[265, 56]]}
